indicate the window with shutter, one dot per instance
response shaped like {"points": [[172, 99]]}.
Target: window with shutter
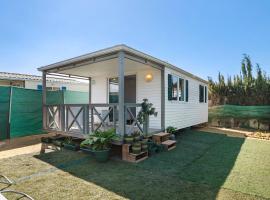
{"points": [[169, 87], [181, 89], [205, 94], [201, 93], [186, 90]]}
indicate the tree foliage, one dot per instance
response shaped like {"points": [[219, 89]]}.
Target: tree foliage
{"points": [[243, 88]]}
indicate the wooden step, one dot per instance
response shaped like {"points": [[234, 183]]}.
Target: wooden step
{"points": [[160, 137], [169, 144]]}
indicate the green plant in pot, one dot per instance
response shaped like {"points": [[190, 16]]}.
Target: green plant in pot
{"points": [[58, 142], [136, 148], [147, 110], [136, 135], [172, 130], [70, 144], [128, 139], [99, 144], [117, 139]]}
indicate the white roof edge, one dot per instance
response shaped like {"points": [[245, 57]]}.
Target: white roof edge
{"points": [[116, 48]]}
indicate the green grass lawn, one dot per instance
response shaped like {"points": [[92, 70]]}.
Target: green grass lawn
{"points": [[203, 166]]}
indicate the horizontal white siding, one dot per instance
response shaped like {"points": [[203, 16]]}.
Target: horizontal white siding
{"points": [[185, 114], [152, 92], [99, 89]]}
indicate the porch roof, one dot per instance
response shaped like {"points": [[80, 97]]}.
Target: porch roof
{"points": [[110, 54]]}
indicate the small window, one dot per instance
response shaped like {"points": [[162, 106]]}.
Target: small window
{"points": [[174, 87], [201, 93], [181, 89], [113, 90], [64, 88], [205, 94], [186, 90], [39, 87]]}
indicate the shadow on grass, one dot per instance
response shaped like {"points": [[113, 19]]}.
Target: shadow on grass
{"points": [[196, 169]]}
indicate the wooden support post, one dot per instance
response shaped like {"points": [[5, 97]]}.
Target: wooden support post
{"points": [[44, 97], [121, 78]]}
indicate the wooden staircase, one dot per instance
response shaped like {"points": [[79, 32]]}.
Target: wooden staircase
{"points": [[163, 138]]}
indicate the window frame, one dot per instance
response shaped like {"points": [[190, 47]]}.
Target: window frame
{"points": [[177, 99], [201, 100]]}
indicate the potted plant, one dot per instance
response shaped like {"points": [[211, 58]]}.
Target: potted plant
{"points": [[117, 139], [99, 144], [58, 142], [70, 144], [136, 135], [144, 147], [172, 131], [144, 144], [128, 139], [136, 148], [143, 116]]}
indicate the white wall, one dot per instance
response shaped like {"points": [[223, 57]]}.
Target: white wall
{"points": [[183, 114], [83, 87], [152, 92], [149, 90]]}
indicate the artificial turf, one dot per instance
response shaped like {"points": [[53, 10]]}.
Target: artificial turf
{"points": [[203, 166]]}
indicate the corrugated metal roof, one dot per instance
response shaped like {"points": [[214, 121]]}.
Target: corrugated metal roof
{"points": [[24, 77]]}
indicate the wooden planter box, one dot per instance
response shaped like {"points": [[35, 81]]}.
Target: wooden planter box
{"points": [[130, 157]]}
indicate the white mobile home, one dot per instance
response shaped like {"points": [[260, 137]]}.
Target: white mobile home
{"points": [[120, 77]]}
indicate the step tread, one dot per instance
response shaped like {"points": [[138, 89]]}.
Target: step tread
{"points": [[162, 134], [169, 142]]}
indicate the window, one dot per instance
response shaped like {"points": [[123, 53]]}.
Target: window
{"points": [[205, 94], [186, 90], [201, 93], [39, 87], [176, 88], [64, 88], [181, 89], [113, 90]]}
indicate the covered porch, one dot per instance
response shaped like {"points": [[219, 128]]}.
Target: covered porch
{"points": [[119, 79]]}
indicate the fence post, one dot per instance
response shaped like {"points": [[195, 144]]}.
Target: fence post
{"points": [[9, 113]]}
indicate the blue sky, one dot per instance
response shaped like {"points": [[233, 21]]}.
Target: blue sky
{"points": [[202, 37]]}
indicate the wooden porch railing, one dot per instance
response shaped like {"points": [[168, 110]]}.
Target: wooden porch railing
{"points": [[85, 118]]}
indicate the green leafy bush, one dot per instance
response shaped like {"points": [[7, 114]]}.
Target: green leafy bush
{"points": [[99, 140]]}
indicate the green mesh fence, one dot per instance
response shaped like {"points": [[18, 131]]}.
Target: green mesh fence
{"points": [[240, 112], [74, 97], [26, 109], [55, 97], [26, 112], [4, 111]]}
